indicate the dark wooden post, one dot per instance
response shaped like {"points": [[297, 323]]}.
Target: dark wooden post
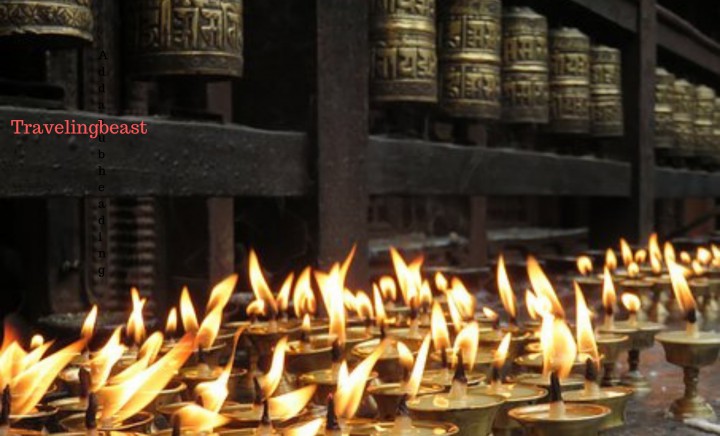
{"points": [[342, 132]]}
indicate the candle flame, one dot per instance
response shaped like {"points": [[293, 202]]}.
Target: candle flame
{"points": [[654, 246], [586, 344], [36, 341], [455, 316], [363, 306], [351, 385], [631, 302], [466, 342], [289, 405], [196, 419], [656, 264], [441, 282], [303, 297], [187, 312], [125, 399], [380, 314], [146, 356], [685, 257], [426, 296], [409, 277], [669, 252], [680, 287], [259, 284], [542, 287], [214, 393], [609, 297], [88, 327], [505, 289], [269, 382], [464, 300], [283, 298], [438, 328], [559, 348], [103, 361], [405, 356], [502, 351], [626, 252], [584, 265], [413, 384], [388, 288], [610, 259], [530, 301], [171, 323], [221, 293], [332, 288], [641, 256], [697, 268], [633, 270], [704, 256], [490, 314]]}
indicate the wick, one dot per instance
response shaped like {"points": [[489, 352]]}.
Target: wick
{"points": [[176, 425], [336, 351], [383, 333], [592, 389], [6, 403], [691, 327], [458, 389], [258, 398], [331, 419], [91, 413], [557, 405], [444, 357]]}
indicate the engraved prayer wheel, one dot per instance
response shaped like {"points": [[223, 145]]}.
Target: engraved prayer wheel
{"points": [[569, 81], [606, 110], [403, 51], [182, 38], [470, 44], [524, 66], [69, 20], [664, 98], [703, 123], [683, 117]]}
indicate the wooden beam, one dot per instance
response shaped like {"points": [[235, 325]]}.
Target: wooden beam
{"points": [[342, 129], [677, 183], [682, 39], [404, 166], [174, 158]]}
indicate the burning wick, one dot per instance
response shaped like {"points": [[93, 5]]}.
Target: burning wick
{"points": [[496, 379], [383, 333], [691, 327], [557, 405], [444, 358], [258, 398], [458, 390], [332, 425], [85, 383], [592, 389], [91, 416], [265, 428], [403, 422], [203, 368], [5, 412], [306, 330], [336, 357]]}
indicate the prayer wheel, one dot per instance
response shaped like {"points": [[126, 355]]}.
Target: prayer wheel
{"points": [[703, 123], [62, 20], [569, 81], [181, 38], [403, 51], [470, 46], [664, 99], [524, 67], [683, 117], [606, 110]]}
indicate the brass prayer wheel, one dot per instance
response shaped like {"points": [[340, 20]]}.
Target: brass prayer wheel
{"points": [[683, 116], [524, 66], [403, 57], [69, 19], [569, 81], [181, 38], [470, 39], [664, 98], [703, 123], [606, 110]]}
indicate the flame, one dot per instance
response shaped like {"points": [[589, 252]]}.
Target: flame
{"points": [[697, 268], [680, 287], [146, 356], [505, 289], [464, 300], [194, 418], [388, 288], [306, 326], [610, 260], [255, 308], [408, 276], [88, 327], [584, 265], [36, 341], [332, 288], [269, 382], [405, 356], [609, 297], [380, 315], [542, 287], [641, 256], [559, 348], [219, 298], [103, 361], [350, 386], [426, 297], [303, 296], [413, 383], [347, 263], [136, 324], [221, 293], [631, 302], [348, 300], [363, 306], [455, 316], [283, 298], [125, 399], [715, 254], [501, 353], [214, 393], [309, 428], [586, 344], [626, 251], [685, 257], [490, 314], [466, 342], [704, 256], [633, 269], [259, 284], [441, 282], [656, 264], [530, 302], [187, 312], [654, 247], [289, 405], [30, 385], [669, 252], [171, 323], [438, 328]]}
